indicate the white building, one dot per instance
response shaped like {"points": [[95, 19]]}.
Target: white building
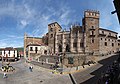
{"points": [[33, 51], [8, 53]]}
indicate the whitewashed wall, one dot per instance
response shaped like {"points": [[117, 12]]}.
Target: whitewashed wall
{"points": [[11, 53]]}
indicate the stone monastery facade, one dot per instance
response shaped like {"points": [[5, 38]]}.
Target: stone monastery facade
{"points": [[88, 38]]}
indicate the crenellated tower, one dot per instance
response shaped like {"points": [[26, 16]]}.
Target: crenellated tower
{"points": [[91, 26], [53, 28]]}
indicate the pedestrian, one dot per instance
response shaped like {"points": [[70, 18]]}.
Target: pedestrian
{"points": [[31, 68], [51, 66], [106, 82], [4, 75], [42, 61]]}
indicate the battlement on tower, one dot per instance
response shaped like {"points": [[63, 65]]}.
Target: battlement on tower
{"points": [[92, 13]]}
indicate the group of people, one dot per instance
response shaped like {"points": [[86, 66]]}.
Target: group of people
{"points": [[5, 75], [111, 75]]}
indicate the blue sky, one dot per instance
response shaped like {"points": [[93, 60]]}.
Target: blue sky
{"points": [[33, 16]]}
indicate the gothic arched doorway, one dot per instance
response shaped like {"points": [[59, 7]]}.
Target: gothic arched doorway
{"points": [[67, 48], [60, 48]]}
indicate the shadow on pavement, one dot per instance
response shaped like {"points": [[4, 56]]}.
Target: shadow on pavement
{"points": [[97, 73]]}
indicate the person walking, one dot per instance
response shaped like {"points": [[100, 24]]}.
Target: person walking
{"points": [[31, 68], [4, 75]]}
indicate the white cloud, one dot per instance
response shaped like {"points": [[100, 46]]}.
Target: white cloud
{"points": [[3, 44], [24, 23], [107, 20], [3, 40], [10, 43], [15, 37], [26, 15]]}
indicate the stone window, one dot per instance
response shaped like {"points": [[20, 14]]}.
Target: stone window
{"points": [[67, 48], [102, 32], [108, 39], [36, 49], [105, 39], [31, 48], [105, 43], [81, 44], [101, 38], [92, 33], [92, 27], [110, 34], [112, 44], [60, 48], [51, 29], [118, 44], [70, 60], [74, 44], [51, 36], [92, 40]]}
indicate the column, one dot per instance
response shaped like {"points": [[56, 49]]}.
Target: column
{"points": [[63, 43], [71, 41], [78, 42], [46, 60], [56, 43]]}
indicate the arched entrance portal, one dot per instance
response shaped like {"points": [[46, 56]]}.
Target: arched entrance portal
{"points": [[60, 48], [67, 48]]}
